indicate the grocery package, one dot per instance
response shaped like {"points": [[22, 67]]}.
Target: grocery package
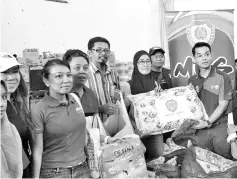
{"points": [[168, 169], [92, 149], [161, 112], [123, 159], [170, 147], [202, 163]]}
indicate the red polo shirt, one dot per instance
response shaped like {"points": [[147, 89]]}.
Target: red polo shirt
{"points": [[216, 87]]}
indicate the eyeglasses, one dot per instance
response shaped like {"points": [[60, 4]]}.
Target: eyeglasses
{"points": [[100, 50], [144, 62]]}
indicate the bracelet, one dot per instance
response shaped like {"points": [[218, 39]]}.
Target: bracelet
{"points": [[233, 140], [106, 139]]}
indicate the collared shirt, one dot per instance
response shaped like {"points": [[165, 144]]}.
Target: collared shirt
{"points": [[103, 85], [216, 87], [89, 101], [63, 128]]}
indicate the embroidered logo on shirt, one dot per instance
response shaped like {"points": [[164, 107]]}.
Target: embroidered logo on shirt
{"points": [[214, 87], [79, 110]]}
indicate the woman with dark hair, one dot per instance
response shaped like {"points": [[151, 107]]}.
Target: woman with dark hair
{"points": [[142, 82], [79, 64], [60, 127], [17, 103], [11, 146]]}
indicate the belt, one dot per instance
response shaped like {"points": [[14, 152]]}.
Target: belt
{"points": [[76, 164]]}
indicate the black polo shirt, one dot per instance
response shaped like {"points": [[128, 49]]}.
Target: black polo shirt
{"points": [[216, 87], [89, 101]]}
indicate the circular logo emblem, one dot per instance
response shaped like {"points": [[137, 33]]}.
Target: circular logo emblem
{"points": [[200, 31], [171, 105]]}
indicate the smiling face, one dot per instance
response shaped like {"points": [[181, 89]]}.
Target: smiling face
{"points": [[144, 64], [100, 53], [79, 68], [203, 57], [3, 101], [59, 80], [12, 78]]}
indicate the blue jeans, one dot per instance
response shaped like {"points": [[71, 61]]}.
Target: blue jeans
{"points": [[78, 171]]}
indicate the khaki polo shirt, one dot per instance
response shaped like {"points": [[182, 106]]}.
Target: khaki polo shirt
{"points": [[216, 87], [63, 128]]}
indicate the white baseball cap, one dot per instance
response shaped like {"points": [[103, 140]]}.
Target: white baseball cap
{"points": [[7, 61]]}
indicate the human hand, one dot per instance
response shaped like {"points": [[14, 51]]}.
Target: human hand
{"points": [[231, 129], [117, 94], [158, 88], [110, 108], [113, 139], [201, 124]]}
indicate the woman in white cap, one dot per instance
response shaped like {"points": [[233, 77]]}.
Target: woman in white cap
{"points": [[11, 147], [17, 102]]}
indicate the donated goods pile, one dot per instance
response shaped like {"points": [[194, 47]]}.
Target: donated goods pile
{"points": [[155, 113], [121, 159], [124, 159], [161, 112]]}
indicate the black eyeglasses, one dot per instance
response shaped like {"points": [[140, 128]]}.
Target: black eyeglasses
{"points": [[100, 50], [144, 62]]}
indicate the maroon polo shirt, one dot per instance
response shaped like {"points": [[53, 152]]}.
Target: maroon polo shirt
{"points": [[63, 128], [216, 87]]}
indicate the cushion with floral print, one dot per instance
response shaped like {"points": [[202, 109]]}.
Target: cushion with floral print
{"points": [[161, 112]]}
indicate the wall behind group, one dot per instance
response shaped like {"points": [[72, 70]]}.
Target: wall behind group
{"points": [[130, 25], [57, 27], [186, 5]]}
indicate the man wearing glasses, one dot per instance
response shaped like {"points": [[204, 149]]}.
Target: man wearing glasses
{"points": [[160, 74], [103, 80]]}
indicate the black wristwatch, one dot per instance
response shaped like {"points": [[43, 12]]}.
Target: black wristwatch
{"points": [[209, 123]]}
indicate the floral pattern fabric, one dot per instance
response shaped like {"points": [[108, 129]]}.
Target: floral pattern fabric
{"points": [[160, 112]]}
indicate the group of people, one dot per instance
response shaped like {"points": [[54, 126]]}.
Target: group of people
{"points": [[49, 140]]}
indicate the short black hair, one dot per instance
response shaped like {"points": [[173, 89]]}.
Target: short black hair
{"points": [[74, 53], [92, 42], [200, 44], [50, 63]]}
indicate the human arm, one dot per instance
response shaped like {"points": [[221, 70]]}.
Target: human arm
{"points": [[37, 118], [108, 108], [233, 143], [37, 150], [234, 149], [108, 139], [219, 110], [224, 94], [127, 91]]}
